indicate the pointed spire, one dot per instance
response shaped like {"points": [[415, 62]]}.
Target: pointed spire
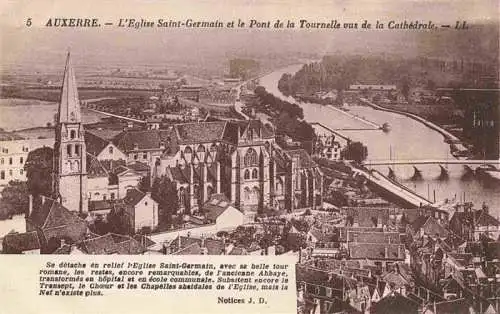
{"points": [[69, 107]]}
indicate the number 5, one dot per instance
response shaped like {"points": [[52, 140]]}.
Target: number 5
{"points": [[28, 22]]}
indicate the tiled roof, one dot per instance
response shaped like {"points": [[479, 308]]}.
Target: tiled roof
{"points": [[94, 144], [395, 303], [113, 166], [214, 247], [105, 133], [144, 241], [144, 139], [368, 216], [238, 251], [419, 222], [376, 251], [138, 166], [458, 306], [374, 237], [192, 249], [21, 242], [112, 244], [395, 280], [200, 132], [100, 205], [305, 161], [344, 230], [95, 168], [481, 217], [215, 206], [133, 197], [63, 250], [51, 214]]}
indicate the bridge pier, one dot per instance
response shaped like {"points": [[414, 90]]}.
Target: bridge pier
{"points": [[444, 173], [417, 174], [391, 174]]}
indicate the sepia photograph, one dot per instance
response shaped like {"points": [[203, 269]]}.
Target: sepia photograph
{"points": [[358, 139]]}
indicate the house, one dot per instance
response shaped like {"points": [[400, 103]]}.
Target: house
{"points": [[112, 243], [428, 226], [21, 243], [54, 222], [218, 210], [470, 224], [374, 217], [110, 179], [397, 304], [101, 148], [142, 210], [457, 306], [383, 255], [188, 245]]}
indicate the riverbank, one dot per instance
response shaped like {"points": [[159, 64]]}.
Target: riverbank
{"points": [[449, 138]]}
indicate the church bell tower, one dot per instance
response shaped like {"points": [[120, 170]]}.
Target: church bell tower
{"points": [[70, 167]]}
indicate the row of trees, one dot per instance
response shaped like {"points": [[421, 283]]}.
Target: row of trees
{"points": [[288, 117], [334, 72]]}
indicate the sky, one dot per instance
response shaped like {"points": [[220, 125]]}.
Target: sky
{"points": [[15, 12], [38, 45]]}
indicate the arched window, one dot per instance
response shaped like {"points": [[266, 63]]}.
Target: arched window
{"points": [[279, 187], [188, 150], [1, 161], [246, 193], [10, 172], [251, 158], [2, 175], [201, 149], [10, 160], [72, 134], [246, 175], [112, 196], [255, 174], [77, 166], [77, 150], [69, 150], [255, 194]]}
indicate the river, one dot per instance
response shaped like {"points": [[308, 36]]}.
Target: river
{"points": [[408, 139], [16, 114]]}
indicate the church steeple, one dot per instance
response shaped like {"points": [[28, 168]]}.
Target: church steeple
{"points": [[69, 107], [70, 156]]}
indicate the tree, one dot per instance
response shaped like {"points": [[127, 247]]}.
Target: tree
{"points": [[405, 87], [355, 151], [14, 199], [39, 170], [164, 191], [145, 184]]}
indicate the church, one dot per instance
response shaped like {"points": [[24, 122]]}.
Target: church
{"points": [[237, 158]]}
